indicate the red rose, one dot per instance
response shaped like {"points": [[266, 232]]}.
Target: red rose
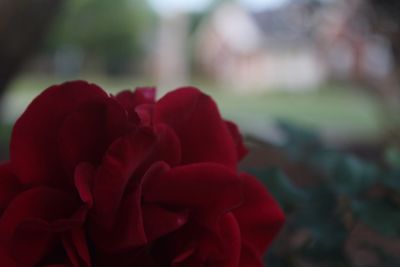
{"points": [[100, 180]]}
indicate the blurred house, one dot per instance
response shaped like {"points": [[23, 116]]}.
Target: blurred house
{"points": [[294, 47], [258, 51]]}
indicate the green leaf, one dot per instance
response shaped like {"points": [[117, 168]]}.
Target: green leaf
{"points": [[300, 143], [381, 215], [391, 179], [352, 176], [321, 217], [286, 193]]}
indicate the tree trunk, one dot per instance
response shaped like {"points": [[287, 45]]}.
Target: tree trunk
{"points": [[23, 25]]}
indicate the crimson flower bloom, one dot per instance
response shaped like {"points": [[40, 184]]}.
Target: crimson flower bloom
{"points": [[101, 180]]}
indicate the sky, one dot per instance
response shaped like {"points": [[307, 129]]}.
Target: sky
{"points": [[172, 6]]}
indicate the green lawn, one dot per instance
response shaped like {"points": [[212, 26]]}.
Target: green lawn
{"points": [[337, 111], [340, 112]]}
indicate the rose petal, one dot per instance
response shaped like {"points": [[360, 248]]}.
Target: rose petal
{"points": [[116, 219], [29, 245], [131, 100], [39, 204], [145, 114], [34, 143], [241, 150], [6, 259], [178, 247], [57, 256], [231, 241], [126, 231], [260, 217], [195, 245], [122, 159], [141, 95], [9, 185], [84, 176], [27, 224], [195, 118], [87, 132], [75, 245], [140, 257], [58, 265], [38, 208], [249, 256], [221, 252], [166, 149], [159, 221], [208, 188], [182, 257]]}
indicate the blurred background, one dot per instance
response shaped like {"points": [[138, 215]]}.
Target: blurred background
{"points": [[313, 84]]}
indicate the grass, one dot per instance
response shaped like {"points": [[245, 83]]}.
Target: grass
{"points": [[337, 111], [340, 112], [330, 111]]}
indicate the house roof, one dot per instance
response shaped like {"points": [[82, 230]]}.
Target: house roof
{"points": [[291, 24]]}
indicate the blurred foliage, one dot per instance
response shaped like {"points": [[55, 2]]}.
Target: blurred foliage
{"points": [[103, 29], [349, 191]]}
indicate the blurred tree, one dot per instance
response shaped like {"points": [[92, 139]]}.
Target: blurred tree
{"points": [[379, 20], [384, 17], [111, 32], [23, 25]]}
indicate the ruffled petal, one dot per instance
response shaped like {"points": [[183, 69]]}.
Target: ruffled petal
{"points": [[249, 256], [9, 185], [131, 100], [116, 220], [203, 134], [58, 265], [87, 132], [84, 179], [231, 241], [6, 259], [122, 159], [167, 148], [225, 251], [196, 245], [206, 188], [34, 142], [140, 257], [260, 217], [159, 221], [142, 95], [241, 150], [39, 204], [28, 224], [29, 245], [75, 244]]}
